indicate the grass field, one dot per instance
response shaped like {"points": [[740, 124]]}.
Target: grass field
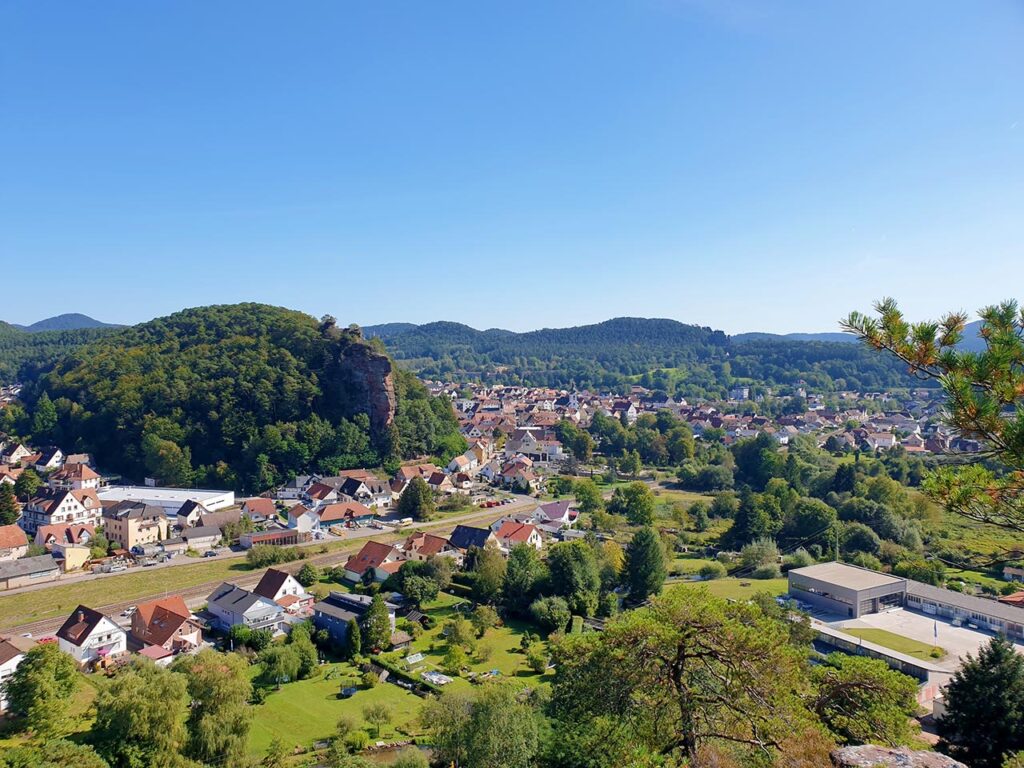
{"points": [[894, 642], [307, 711], [737, 589], [59, 600]]}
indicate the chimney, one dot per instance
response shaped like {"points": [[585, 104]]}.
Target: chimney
{"points": [[81, 617]]}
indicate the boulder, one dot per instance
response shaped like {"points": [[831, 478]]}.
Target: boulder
{"points": [[870, 756]]}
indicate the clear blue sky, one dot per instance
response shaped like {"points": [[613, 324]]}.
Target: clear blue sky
{"points": [[745, 165]]}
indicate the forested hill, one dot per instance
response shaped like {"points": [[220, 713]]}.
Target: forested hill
{"points": [[23, 354], [242, 396], [68, 322], [681, 359]]}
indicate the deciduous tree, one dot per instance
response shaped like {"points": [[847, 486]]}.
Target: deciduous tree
{"points": [[688, 671], [140, 718], [40, 690], [219, 717]]}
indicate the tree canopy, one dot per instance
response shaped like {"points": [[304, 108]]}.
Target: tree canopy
{"points": [[242, 395]]}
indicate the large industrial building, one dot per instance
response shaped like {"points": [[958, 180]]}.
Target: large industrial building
{"points": [[848, 591], [170, 499]]}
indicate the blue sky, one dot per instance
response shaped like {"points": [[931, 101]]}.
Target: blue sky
{"points": [[745, 165]]}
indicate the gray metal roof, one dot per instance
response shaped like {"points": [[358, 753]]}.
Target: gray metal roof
{"points": [[26, 566], [980, 605]]}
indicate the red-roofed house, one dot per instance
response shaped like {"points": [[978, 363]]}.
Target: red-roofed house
{"points": [[323, 517], [13, 542], [168, 624], [74, 477], [512, 533], [259, 509], [420, 546], [381, 559], [50, 535]]}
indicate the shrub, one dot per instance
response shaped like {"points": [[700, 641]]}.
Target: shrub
{"points": [[800, 559], [537, 658], [550, 613], [369, 680], [766, 572], [357, 741], [712, 571]]}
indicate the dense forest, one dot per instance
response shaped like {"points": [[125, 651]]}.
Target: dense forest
{"points": [[684, 360], [241, 396], [23, 353]]}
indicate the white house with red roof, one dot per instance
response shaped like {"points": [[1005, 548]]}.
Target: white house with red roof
{"points": [[321, 518], [13, 542], [420, 546], [259, 509], [512, 533], [74, 477], [379, 558]]}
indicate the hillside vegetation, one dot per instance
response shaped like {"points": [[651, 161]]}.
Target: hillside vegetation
{"points": [[681, 359], [24, 353], [242, 395]]}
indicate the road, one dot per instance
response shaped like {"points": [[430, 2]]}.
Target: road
{"points": [[196, 596]]}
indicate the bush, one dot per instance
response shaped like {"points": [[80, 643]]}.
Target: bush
{"points": [[369, 680], [537, 658], [550, 613], [712, 571], [800, 559], [866, 560], [767, 572], [759, 553], [308, 575], [357, 741]]}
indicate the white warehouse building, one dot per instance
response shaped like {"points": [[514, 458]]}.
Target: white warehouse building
{"points": [[170, 499]]}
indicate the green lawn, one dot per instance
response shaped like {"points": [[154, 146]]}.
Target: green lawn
{"points": [[307, 711], [737, 589], [895, 642], [688, 565]]}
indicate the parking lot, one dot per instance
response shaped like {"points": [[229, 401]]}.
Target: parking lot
{"points": [[956, 641]]}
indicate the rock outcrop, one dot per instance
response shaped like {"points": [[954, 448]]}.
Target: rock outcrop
{"points": [[870, 756], [370, 381]]}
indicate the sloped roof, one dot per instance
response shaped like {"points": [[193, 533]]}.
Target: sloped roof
{"points": [[25, 566], [161, 619], [515, 532], [466, 536], [79, 625], [372, 555], [11, 536], [271, 583]]}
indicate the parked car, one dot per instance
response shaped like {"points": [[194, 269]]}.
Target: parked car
{"points": [[210, 553]]}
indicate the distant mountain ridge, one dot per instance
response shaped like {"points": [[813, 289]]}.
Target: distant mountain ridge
{"points": [[972, 341], [72, 321], [635, 327]]}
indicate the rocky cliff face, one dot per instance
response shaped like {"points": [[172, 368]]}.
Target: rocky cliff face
{"points": [[369, 382], [869, 756]]}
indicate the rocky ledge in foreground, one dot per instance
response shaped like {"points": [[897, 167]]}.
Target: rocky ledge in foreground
{"points": [[868, 756]]}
